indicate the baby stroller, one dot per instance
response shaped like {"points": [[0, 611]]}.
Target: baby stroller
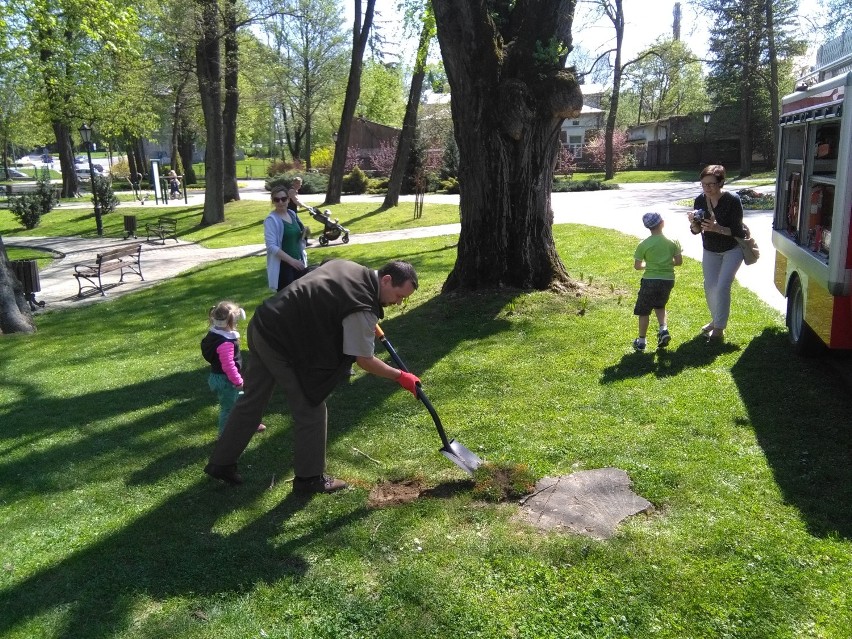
{"points": [[331, 228]]}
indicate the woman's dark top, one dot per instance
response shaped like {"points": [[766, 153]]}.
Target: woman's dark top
{"points": [[728, 212]]}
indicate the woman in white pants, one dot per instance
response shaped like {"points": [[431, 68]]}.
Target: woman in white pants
{"points": [[718, 216]]}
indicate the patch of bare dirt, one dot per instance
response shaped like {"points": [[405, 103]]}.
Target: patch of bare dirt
{"points": [[392, 493]]}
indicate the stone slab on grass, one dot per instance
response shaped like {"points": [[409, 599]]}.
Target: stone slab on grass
{"points": [[588, 502]]}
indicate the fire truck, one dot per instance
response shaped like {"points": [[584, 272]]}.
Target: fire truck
{"points": [[811, 229]]}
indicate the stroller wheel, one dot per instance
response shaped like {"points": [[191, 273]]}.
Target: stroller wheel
{"points": [[345, 238], [323, 240]]}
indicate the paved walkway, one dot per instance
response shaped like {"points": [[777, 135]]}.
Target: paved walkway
{"points": [[618, 209]]}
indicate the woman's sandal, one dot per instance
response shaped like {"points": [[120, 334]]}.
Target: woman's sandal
{"points": [[707, 329]]}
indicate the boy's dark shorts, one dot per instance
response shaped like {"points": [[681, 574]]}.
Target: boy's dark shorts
{"points": [[652, 294]]}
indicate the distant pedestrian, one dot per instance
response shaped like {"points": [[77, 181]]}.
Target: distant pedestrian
{"points": [[657, 256], [221, 348], [174, 184]]}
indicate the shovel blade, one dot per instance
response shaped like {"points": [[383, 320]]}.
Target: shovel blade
{"points": [[461, 457]]}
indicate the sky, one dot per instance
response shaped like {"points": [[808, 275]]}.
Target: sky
{"points": [[645, 21]]}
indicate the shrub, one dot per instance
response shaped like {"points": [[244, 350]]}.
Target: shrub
{"points": [[322, 158], [450, 185], [311, 182], [562, 186], [27, 209], [377, 185], [120, 170], [45, 194], [355, 181], [280, 167], [103, 195]]}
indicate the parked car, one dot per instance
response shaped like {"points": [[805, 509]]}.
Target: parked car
{"points": [[15, 174], [84, 165]]}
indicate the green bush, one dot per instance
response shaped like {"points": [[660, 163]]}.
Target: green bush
{"points": [[27, 209], [568, 186], [355, 181], [103, 195], [311, 182], [377, 185], [450, 185]]}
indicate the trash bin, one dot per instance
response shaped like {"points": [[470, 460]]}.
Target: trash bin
{"points": [[27, 273], [129, 226]]}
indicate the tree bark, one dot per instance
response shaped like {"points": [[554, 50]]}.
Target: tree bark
{"points": [[15, 314], [207, 56], [353, 92], [409, 122], [508, 104], [615, 13], [232, 102], [70, 185]]}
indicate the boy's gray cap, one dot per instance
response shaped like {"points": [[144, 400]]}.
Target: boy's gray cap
{"points": [[650, 220]]}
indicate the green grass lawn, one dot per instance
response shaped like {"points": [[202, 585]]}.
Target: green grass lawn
{"points": [[110, 528]]}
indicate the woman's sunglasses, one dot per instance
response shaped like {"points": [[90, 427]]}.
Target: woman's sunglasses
{"points": [[279, 199]]}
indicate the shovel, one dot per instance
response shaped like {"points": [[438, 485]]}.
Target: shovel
{"points": [[451, 449]]}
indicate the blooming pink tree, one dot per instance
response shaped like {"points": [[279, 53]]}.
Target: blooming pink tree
{"points": [[353, 158], [621, 155], [565, 162], [383, 158]]}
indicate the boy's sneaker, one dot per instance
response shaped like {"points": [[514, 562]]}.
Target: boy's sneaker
{"points": [[639, 344], [663, 339]]}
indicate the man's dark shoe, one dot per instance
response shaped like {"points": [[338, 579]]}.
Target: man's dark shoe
{"points": [[227, 473], [318, 484]]}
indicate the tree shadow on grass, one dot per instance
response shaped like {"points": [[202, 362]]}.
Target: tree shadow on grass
{"points": [[799, 409], [172, 551], [696, 353]]}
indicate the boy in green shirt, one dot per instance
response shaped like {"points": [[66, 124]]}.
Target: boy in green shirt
{"points": [[658, 256]]}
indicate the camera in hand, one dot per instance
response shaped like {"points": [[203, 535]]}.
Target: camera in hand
{"points": [[700, 216]]}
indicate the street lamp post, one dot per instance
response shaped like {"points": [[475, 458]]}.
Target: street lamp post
{"points": [[86, 135], [704, 140]]}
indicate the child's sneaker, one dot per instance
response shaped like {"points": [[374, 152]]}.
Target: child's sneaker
{"points": [[639, 344], [663, 339]]}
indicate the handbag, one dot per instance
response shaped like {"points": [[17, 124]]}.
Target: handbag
{"points": [[751, 252]]}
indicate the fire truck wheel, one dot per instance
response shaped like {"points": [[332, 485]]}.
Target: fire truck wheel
{"points": [[802, 337]]}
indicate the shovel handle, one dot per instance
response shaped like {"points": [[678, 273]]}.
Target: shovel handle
{"points": [[420, 394]]}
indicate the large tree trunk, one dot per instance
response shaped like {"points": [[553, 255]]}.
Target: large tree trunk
{"points": [[232, 103], [409, 122], [616, 16], [15, 315], [353, 92], [508, 106], [66, 159], [210, 88]]}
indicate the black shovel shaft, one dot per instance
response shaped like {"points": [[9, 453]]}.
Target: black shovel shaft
{"points": [[420, 394]]}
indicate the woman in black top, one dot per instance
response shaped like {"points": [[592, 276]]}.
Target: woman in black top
{"points": [[718, 216]]}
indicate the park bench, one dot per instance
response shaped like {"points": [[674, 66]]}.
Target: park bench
{"points": [[123, 258], [165, 227], [13, 190]]}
